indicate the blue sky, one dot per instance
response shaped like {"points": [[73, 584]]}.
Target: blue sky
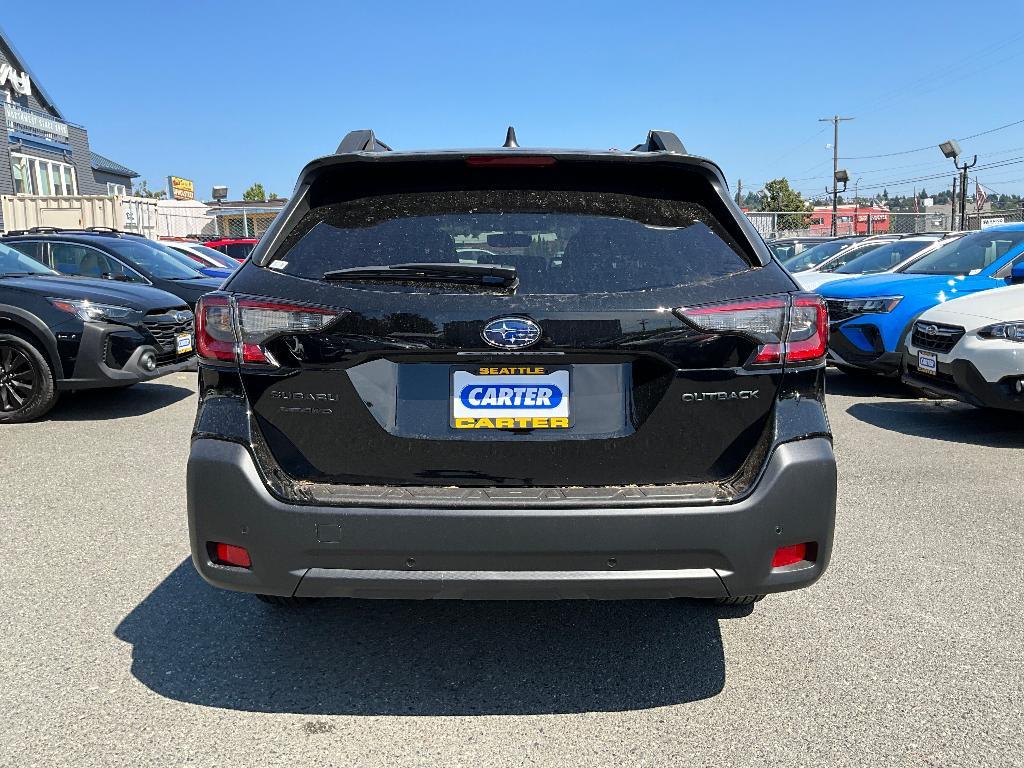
{"points": [[235, 92]]}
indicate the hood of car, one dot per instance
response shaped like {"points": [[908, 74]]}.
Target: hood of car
{"points": [[986, 306], [811, 281], [941, 287], [218, 272], [141, 297]]}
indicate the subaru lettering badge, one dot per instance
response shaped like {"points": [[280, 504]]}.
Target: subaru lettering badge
{"points": [[511, 333]]}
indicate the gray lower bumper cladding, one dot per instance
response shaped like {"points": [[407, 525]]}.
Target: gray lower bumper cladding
{"points": [[715, 550]]}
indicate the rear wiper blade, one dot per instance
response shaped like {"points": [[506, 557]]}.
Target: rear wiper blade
{"points": [[498, 275]]}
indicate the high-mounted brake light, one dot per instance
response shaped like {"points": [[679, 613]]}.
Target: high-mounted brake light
{"points": [[510, 160], [787, 329], [236, 329]]}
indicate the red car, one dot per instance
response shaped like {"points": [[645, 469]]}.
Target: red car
{"points": [[236, 247]]}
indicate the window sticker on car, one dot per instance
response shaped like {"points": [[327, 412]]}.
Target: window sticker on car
{"points": [[510, 397]]}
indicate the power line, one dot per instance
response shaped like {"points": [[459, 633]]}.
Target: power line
{"points": [[932, 146]]}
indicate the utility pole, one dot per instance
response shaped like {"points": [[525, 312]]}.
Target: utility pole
{"points": [[739, 192], [952, 207], [835, 120], [963, 190]]}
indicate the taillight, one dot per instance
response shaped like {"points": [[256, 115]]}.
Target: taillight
{"points": [[807, 339], [786, 329], [215, 328], [233, 329], [258, 321]]}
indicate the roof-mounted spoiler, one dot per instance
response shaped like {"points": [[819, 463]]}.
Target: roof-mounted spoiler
{"points": [[365, 141], [361, 141], [661, 141]]}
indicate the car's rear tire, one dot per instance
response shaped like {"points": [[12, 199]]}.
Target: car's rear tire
{"points": [[283, 601], [739, 600], [27, 387]]}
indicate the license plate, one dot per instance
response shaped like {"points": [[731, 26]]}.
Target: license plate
{"points": [[184, 343], [927, 362], [510, 397]]}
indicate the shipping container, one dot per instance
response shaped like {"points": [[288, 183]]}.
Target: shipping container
{"points": [[128, 214]]}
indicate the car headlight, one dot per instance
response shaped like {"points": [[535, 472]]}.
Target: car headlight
{"points": [[1010, 331], [88, 310], [872, 305]]}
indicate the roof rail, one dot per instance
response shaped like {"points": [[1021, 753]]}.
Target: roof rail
{"points": [[361, 141], [661, 141]]}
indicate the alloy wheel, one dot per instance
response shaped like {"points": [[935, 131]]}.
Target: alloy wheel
{"points": [[18, 379]]}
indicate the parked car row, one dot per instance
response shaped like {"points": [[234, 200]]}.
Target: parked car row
{"points": [[944, 312], [83, 309]]}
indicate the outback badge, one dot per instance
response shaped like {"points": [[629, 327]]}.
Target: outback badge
{"points": [[511, 332]]}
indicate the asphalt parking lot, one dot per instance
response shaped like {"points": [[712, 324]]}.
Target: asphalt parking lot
{"points": [[908, 652]]}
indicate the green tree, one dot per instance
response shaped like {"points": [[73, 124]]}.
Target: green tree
{"points": [[779, 196], [255, 193], [143, 190]]}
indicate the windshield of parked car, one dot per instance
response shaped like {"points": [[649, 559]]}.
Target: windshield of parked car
{"points": [[967, 255], [812, 257], [586, 242], [151, 258], [14, 262], [848, 254], [881, 258], [221, 259]]}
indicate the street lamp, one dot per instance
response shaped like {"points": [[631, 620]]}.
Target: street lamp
{"points": [[840, 176], [951, 150]]}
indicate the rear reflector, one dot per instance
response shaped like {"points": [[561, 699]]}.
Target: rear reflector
{"points": [[229, 554], [510, 160], [788, 329], [794, 553]]}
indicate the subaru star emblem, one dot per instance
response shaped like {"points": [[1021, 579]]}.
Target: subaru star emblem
{"points": [[928, 330], [511, 332], [182, 317]]}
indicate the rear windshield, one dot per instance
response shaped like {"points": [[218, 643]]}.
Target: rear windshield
{"points": [[882, 258], [967, 255], [559, 242]]}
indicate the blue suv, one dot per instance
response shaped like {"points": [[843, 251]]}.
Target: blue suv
{"points": [[870, 317]]}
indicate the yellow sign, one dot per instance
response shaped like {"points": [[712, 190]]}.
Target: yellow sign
{"points": [[181, 189]]}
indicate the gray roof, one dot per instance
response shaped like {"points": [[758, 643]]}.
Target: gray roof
{"points": [[25, 67], [105, 164]]}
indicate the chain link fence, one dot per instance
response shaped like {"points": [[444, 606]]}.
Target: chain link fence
{"points": [[778, 224]]}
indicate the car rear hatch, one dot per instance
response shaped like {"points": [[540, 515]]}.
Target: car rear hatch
{"points": [[512, 321]]}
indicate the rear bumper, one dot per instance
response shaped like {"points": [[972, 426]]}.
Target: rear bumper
{"points": [[508, 553]]}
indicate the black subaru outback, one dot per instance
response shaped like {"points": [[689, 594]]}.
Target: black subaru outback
{"points": [[511, 373]]}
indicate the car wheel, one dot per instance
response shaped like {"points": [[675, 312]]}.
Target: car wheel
{"points": [[27, 389], [740, 600]]}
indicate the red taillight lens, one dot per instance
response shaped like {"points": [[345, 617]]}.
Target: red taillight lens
{"points": [[807, 339], [215, 332], [790, 330], [230, 329], [229, 554], [794, 553]]}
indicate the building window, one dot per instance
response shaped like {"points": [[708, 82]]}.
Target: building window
{"points": [[36, 176], [116, 189]]}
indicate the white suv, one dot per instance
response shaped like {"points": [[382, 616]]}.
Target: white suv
{"points": [[971, 349]]}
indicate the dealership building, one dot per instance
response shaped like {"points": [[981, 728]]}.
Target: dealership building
{"points": [[45, 154]]}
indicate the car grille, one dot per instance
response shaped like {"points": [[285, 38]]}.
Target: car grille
{"points": [[165, 328], [838, 310], [935, 337]]}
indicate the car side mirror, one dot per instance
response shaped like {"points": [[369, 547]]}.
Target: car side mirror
{"points": [[1017, 273]]}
